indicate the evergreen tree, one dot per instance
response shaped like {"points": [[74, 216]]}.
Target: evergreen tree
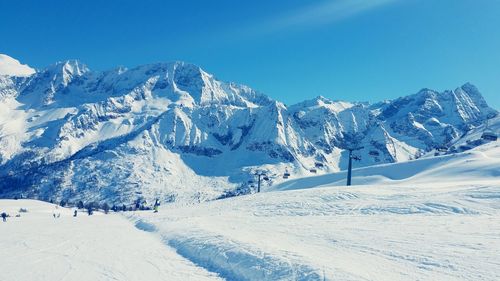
{"points": [[90, 209], [105, 207]]}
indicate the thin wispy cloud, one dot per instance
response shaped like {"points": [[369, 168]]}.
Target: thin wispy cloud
{"points": [[322, 13]]}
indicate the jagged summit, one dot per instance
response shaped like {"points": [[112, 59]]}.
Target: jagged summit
{"points": [[69, 67], [174, 131]]}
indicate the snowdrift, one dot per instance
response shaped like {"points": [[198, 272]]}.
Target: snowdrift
{"points": [[477, 165]]}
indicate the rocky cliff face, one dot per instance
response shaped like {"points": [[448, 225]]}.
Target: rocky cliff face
{"points": [[173, 131]]}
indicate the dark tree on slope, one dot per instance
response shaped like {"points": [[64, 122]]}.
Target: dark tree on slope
{"points": [[105, 207], [80, 205], [90, 208]]}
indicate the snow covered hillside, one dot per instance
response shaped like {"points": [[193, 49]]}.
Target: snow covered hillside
{"points": [[12, 67], [439, 221], [37, 247], [175, 132], [430, 226], [476, 165]]}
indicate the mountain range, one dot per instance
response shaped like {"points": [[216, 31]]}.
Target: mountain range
{"points": [[175, 132]]}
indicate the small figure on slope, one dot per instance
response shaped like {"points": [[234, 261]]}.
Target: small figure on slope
{"points": [[157, 204], [4, 216], [56, 214]]}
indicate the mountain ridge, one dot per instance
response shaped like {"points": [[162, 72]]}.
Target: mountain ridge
{"points": [[173, 131]]}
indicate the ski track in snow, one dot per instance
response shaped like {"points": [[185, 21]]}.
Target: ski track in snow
{"points": [[101, 247], [316, 234], [430, 226], [438, 224]]}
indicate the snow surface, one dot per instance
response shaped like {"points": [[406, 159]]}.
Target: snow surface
{"points": [[474, 166], [429, 219], [442, 224], [36, 246], [12, 67]]}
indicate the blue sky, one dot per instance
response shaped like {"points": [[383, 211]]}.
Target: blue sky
{"points": [[356, 50]]}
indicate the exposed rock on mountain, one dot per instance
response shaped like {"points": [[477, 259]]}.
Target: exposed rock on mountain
{"points": [[173, 131]]}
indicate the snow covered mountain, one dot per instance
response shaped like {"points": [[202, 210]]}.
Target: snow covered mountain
{"points": [[175, 132], [425, 215], [12, 67]]}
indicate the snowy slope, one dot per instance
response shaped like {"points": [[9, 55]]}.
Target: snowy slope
{"points": [[474, 165], [12, 67], [440, 221], [175, 132], [430, 226], [36, 247]]}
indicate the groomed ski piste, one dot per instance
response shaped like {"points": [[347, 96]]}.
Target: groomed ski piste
{"points": [[435, 218]]}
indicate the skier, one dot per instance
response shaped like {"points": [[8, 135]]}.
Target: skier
{"points": [[157, 204], [4, 217], [55, 212], [75, 213]]}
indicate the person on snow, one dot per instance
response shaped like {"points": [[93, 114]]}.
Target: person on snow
{"points": [[55, 213], [157, 204], [4, 217], [75, 213]]}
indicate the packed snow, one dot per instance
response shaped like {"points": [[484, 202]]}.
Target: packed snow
{"points": [[37, 246], [441, 224]]}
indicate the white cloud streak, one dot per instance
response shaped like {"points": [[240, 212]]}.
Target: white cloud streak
{"points": [[322, 13]]}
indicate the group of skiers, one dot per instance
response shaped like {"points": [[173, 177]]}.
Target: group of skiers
{"points": [[56, 214]]}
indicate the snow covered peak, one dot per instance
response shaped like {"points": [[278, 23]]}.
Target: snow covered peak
{"points": [[43, 87], [466, 103], [12, 67], [317, 101], [470, 88], [472, 93], [322, 102], [69, 68]]}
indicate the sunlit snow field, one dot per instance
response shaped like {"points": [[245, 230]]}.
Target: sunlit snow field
{"points": [[429, 219]]}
